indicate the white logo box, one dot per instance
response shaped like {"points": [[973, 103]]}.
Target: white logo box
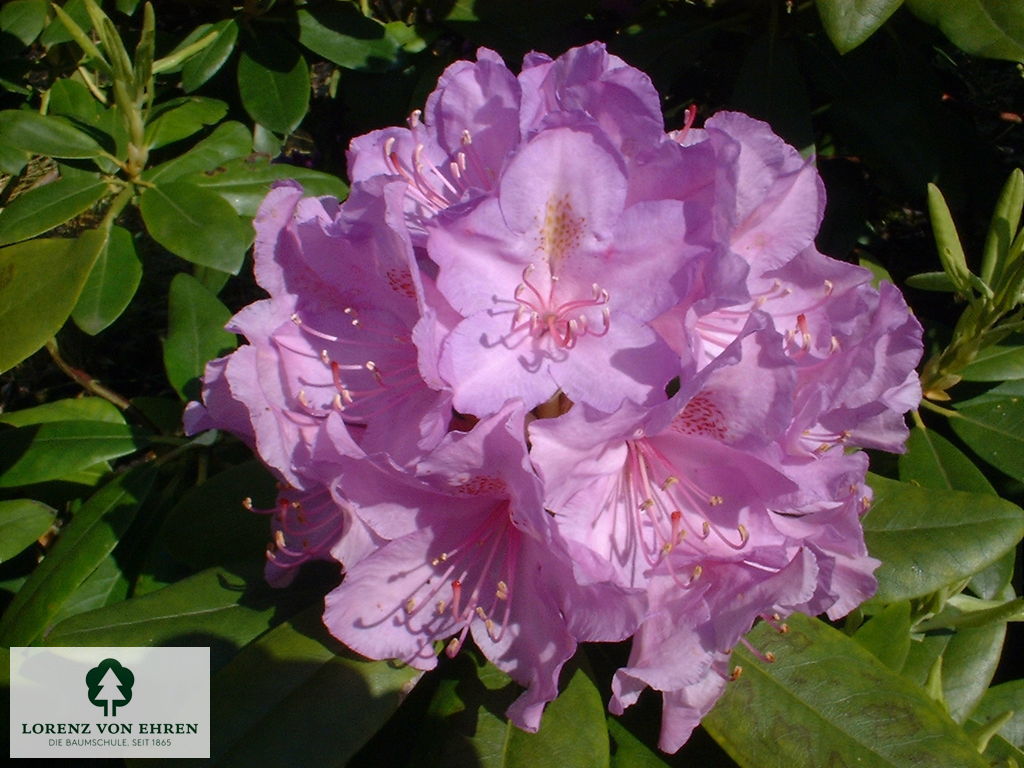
{"points": [[139, 702]]}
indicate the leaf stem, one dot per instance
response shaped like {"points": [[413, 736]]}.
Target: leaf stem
{"points": [[939, 409]]}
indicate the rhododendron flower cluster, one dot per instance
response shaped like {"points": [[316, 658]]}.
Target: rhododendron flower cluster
{"points": [[552, 375]]}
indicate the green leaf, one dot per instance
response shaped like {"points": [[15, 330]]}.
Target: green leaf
{"points": [[209, 526], [205, 64], [70, 98], [180, 118], [195, 334], [245, 182], [46, 135], [993, 28], [86, 541], [628, 751], [111, 284], [947, 242], [966, 611], [76, 409], [196, 224], [997, 363], [1002, 229], [993, 427], [43, 208], [932, 281], [298, 679], [849, 23], [826, 696], [23, 19], [998, 699], [145, 50], [969, 659], [927, 541], [573, 733], [13, 160], [210, 608], [22, 521], [468, 726], [56, 33], [887, 635], [40, 281], [228, 141], [273, 82], [40, 452], [340, 33], [932, 461], [106, 585]]}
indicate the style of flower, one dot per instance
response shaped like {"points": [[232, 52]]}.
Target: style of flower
{"points": [[552, 375]]}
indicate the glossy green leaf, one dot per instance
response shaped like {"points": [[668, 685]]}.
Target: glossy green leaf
{"points": [[298, 679], [46, 135], [849, 23], [999, 362], [106, 585], [43, 208], [827, 700], [40, 452], [245, 182], [40, 281], [887, 635], [211, 607], [205, 64], [13, 160], [84, 542], [195, 334], [70, 98], [228, 141], [947, 242], [22, 521], [111, 284], [180, 118], [966, 611], [273, 82], [72, 409], [969, 659], [340, 33], [993, 426], [932, 461], [628, 751], [1003, 229], [210, 525], [23, 19], [927, 541], [196, 224], [932, 281], [469, 727], [1006, 697], [993, 28], [573, 733], [56, 32]]}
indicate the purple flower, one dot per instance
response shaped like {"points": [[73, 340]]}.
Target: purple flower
{"points": [[471, 551], [552, 375]]}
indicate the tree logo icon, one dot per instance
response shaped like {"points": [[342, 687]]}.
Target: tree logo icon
{"points": [[110, 685]]}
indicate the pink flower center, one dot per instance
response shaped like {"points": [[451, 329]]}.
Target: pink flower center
{"points": [[668, 504], [542, 313], [476, 580]]}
